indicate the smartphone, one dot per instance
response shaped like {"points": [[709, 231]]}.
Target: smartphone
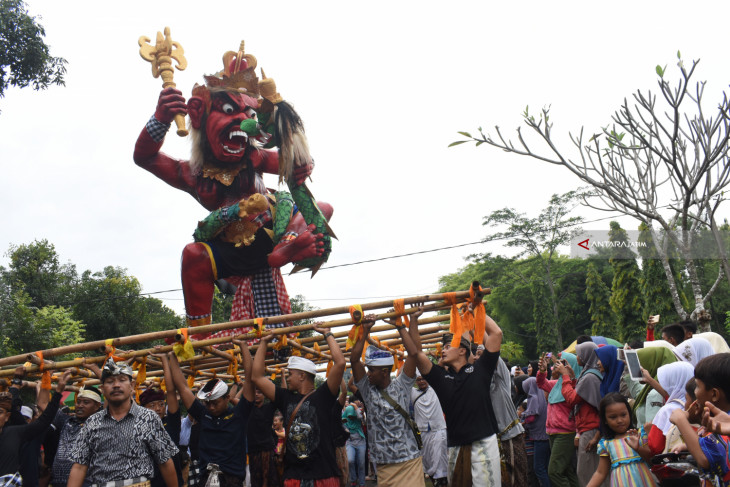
{"points": [[654, 319], [632, 362], [548, 355], [620, 354]]}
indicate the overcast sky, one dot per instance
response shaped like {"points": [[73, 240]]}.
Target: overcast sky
{"points": [[382, 87]]}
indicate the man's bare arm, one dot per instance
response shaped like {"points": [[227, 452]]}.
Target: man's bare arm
{"points": [[258, 370], [187, 396], [248, 385], [358, 369]]}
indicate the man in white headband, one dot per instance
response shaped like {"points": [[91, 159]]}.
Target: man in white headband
{"points": [[88, 402], [222, 442], [124, 430], [393, 437], [310, 452]]}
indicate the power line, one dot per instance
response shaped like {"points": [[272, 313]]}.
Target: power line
{"points": [[349, 264]]}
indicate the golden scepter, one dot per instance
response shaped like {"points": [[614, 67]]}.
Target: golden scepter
{"points": [[161, 56]]}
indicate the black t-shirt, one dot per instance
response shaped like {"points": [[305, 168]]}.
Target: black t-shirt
{"points": [[13, 437], [260, 428], [465, 399], [223, 438], [340, 433], [171, 422], [310, 451]]}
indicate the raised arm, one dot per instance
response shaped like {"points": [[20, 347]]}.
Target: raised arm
{"points": [[409, 367], [413, 348], [187, 396], [248, 387], [493, 335], [172, 404], [337, 371], [258, 371], [358, 369]]}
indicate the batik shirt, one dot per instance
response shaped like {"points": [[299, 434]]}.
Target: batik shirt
{"points": [[69, 428], [390, 438], [124, 449]]}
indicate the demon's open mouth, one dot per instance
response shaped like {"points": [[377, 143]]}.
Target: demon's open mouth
{"points": [[236, 143]]}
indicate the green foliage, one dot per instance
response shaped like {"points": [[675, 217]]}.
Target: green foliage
{"points": [[222, 304], [25, 328], [109, 303], [35, 268], [299, 304], [512, 352], [44, 304], [626, 300], [24, 56], [657, 300], [598, 294]]}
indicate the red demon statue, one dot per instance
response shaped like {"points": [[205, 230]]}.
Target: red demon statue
{"points": [[237, 123]]}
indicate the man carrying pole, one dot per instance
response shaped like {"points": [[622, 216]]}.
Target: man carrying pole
{"points": [[393, 437], [310, 453], [463, 391]]}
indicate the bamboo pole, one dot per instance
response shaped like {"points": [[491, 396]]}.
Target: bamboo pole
{"points": [[159, 335]]}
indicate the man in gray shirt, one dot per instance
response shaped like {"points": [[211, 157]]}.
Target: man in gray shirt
{"points": [[509, 430], [392, 442]]}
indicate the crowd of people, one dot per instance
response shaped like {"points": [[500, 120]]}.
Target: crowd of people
{"points": [[465, 417]]}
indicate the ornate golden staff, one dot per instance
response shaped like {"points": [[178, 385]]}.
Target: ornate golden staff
{"points": [[161, 56]]}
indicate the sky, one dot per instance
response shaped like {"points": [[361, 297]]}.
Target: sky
{"points": [[382, 88]]}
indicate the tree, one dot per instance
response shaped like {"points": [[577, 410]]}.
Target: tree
{"points": [[653, 283], [24, 56], [626, 299], [36, 269], [540, 238], [598, 296], [110, 305], [669, 173]]}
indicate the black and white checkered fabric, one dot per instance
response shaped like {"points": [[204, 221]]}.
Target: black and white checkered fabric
{"points": [[157, 129], [194, 474], [122, 483], [264, 291]]}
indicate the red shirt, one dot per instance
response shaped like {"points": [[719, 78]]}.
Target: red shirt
{"points": [[587, 418]]}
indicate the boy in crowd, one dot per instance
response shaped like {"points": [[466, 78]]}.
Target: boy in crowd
{"points": [[712, 377]]}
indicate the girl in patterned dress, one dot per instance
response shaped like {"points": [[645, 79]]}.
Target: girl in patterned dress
{"points": [[623, 450]]}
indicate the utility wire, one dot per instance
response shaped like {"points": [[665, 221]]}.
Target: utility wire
{"points": [[349, 264]]}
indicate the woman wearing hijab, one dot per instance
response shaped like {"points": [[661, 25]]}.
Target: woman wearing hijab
{"points": [[560, 425], [611, 368], [584, 396], [719, 345], [673, 378], [520, 394], [535, 418], [648, 401], [694, 350]]}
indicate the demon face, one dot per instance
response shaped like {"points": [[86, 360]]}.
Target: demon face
{"points": [[222, 124]]}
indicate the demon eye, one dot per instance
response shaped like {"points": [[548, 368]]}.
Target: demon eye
{"points": [[227, 108], [250, 112]]}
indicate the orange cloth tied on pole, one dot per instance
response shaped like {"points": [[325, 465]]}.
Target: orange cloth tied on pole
{"points": [[191, 377], [183, 349], [399, 306], [233, 366], [467, 317], [329, 366], [259, 327], [356, 331], [46, 380]]}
